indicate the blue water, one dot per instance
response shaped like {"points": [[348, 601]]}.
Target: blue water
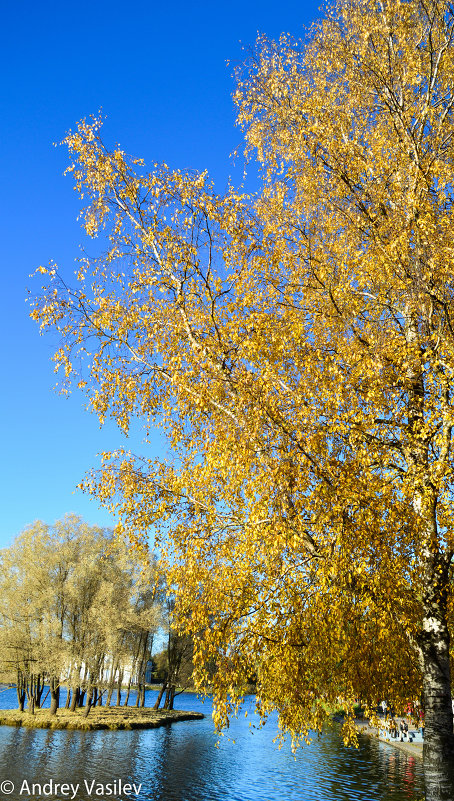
{"points": [[181, 762]]}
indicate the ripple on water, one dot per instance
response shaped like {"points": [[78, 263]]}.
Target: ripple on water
{"points": [[181, 763]]}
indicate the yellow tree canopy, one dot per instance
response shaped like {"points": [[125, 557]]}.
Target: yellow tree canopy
{"points": [[297, 347]]}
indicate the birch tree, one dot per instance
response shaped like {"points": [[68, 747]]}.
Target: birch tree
{"points": [[297, 346]]}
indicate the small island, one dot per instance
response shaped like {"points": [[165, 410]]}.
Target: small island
{"points": [[113, 718]]}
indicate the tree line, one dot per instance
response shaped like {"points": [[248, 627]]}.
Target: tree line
{"points": [[79, 609]]}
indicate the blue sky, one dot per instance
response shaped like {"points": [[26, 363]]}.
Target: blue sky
{"points": [[160, 74]]}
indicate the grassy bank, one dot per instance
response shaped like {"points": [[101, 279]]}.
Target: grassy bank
{"points": [[113, 718]]}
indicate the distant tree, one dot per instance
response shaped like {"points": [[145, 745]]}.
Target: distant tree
{"points": [[74, 605], [175, 663], [32, 610]]}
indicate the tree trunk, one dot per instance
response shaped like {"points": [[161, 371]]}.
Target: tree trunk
{"points": [[75, 699], [39, 690], [142, 696], [20, 690], [68, 698], [438, 749], [166, 699], [54, 696], [111, 683], [88, 703], [30, 692], [134, 673], [128, 690], [140, 701], [82, 687], [161, 693], [170, 697], [120, 681]]}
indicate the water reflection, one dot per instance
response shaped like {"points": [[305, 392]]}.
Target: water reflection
{"points": [[181, 763]]}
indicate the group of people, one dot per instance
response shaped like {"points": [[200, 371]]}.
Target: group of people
{"points": [[400, 730]]}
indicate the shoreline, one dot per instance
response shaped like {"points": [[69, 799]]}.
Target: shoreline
{"points": [[107, 718], [414, 748]]}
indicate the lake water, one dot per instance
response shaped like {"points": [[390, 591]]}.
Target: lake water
{"points": [[180, 762]]}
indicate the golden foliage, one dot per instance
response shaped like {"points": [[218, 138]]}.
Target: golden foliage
{"points": [[297, 347]]}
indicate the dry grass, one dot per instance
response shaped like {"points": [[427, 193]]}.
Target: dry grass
{"points": [[100, 717]]}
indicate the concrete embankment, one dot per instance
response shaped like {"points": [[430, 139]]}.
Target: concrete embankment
{"points": [[414, 748]]}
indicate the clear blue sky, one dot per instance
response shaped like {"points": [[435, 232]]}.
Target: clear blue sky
{"points": [[161, 76]]}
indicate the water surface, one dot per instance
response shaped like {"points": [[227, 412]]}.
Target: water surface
{"points": [[180, 762]]}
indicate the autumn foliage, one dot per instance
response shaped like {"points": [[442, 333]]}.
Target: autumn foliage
{"points": [[297, 347]]}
